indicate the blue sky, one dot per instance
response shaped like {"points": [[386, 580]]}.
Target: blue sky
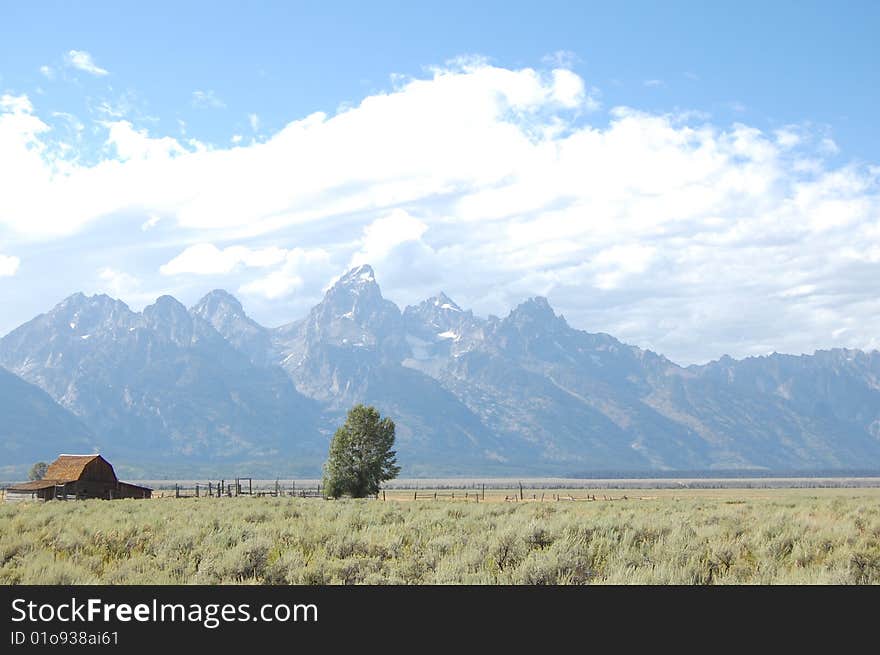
{"points": [[691, 177], [776, 62]]}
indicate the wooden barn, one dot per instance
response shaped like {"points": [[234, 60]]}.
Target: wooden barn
{"points": [[77, 477]]}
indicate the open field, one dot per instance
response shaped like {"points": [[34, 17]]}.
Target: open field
{"points": [[822, 536]]}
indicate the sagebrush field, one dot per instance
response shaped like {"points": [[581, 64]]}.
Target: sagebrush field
{"points": [[772, 537]]}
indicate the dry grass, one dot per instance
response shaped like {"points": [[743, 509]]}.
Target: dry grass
{"points": [[709, 536]]}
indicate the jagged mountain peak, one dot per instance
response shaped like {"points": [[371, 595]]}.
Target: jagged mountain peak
{"points": [[168, 317], [443, 301], [221, 309], [438, 316], [218, 298], [73, 299], [356, 297], [80, 300], [353, 317], [224, 313], [437, 305], [81, 314], [166, 306], [358, 276], [536, 309], [356, 287]]}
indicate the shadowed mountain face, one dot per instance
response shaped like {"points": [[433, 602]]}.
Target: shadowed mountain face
{"points": [[34, 427], [524, 394]]}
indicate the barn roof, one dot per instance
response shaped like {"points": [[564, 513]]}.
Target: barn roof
{"points": [[69, 468], [33, 485]]}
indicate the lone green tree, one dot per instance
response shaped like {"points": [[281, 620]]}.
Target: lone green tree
{"points": [[360, 457], [38, 471]]}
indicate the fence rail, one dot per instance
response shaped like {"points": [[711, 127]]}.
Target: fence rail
{"points": [[236, 487], [438, 495]]}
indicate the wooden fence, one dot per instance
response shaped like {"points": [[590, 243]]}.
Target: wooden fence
{"points": [[238, 487], [439, 495]]}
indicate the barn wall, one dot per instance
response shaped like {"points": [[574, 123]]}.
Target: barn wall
{"points": [[98, 470], [105, 490], [125, 490], [89, 489], [21, 496]]}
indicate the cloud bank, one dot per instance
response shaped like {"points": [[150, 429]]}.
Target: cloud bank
{"points": [[667, 230]]}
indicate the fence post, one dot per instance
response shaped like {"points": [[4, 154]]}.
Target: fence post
{"points": [[520, 491], [176, 490], [197, 489], [484, 491], [250, 486], [383, 495], [415, 495]]}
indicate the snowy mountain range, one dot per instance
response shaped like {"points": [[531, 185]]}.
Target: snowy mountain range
{"points": [[176, 391]]}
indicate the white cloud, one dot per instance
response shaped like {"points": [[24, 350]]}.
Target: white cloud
{"points": [[828, 146], [568, 88], [277, 284], [787, 137], [664, 229], [390, 149], [117, 283], [207, 99], [207, 259], [561, 59], [16, 104], [654, 83], [384, 234], [299, 265], [82, 60], [48, 72], [150, 223], [9, 265], [800, 290], [131, 143], [617, 262], [114, 109], [254, 121]]}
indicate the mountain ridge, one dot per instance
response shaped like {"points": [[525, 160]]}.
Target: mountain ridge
{"points": [[523, 393]]}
